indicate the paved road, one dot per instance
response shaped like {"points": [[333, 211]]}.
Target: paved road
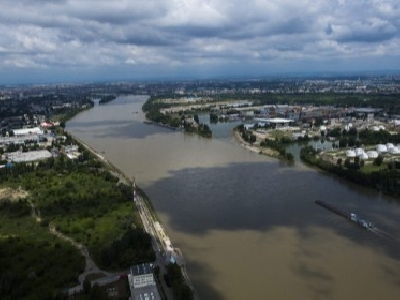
{"points": [[148, 223]]}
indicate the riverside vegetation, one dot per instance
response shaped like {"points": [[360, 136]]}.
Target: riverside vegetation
{"points": [[174, 120], [381, 173], [80, 198], [278, 145]]}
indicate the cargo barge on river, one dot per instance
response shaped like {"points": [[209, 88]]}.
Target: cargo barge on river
{"points": [[352, 216]]}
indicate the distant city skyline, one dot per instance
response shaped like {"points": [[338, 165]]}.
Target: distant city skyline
{"points": [[44, 41]]}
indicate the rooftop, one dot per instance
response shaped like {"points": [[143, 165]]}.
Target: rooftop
{"points": [[142, 269], [28, 156]]}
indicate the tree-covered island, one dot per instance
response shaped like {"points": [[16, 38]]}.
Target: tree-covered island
{"points": [[170, 113]]}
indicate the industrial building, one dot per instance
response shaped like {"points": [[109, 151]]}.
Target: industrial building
{"points": [[28, 156], [142, 282]]}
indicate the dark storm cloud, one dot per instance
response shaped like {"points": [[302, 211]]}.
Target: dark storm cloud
{"points": [[371, 31]]}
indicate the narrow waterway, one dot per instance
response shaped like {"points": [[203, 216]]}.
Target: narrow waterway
{"points": [[248, 224]]}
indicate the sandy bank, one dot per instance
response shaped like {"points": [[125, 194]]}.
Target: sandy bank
{"points": [[255, 148]]}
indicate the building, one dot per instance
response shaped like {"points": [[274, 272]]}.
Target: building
{"points": [[142, 275], [142, 282], [28, 156], [36, 131]]}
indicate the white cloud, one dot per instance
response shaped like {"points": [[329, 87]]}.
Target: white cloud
{"points": [[165, 33]]}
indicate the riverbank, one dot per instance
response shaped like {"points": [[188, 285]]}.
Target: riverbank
{"points": [[382, 178], [254, 148], [218, 202], [151, 225]]}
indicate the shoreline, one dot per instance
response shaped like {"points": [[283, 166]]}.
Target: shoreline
{"points": [[253, 148], [142, 204]]}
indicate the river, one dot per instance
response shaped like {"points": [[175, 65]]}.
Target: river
{"points": [[248, 224]]}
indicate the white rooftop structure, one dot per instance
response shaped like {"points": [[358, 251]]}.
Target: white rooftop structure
{"points": [[389, 145], [28, 131], [348, 126], [359, 151], [381, 148], [350, 153], [377, 128], [394, 150], [274, 120], [28, 156], [372, 154], [142, 282]]}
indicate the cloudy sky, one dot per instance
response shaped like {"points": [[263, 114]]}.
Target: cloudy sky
{"points": [[75, 40]]}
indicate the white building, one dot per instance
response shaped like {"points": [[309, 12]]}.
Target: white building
{"points": [[28, 156], [143, 275], [142, 282], [28, 132]]}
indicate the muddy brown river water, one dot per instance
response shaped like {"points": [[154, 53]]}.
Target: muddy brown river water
{"points": [[248, 224]]}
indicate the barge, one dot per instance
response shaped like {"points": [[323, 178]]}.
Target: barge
{"points": [[352, 216]]}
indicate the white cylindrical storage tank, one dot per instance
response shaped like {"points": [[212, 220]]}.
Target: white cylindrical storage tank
{"points": [[381, 148], [359, 151], [372, 154], [350, 153], [394, 150]]}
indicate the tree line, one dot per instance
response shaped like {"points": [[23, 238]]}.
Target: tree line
{"points": [[386, 179]]}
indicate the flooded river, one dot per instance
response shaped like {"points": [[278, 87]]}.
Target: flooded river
{"points": [[248, 224]]}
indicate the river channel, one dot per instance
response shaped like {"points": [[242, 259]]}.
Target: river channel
{"points": [[248, 224]]}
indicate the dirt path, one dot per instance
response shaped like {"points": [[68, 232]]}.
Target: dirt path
{"points": [[8, 194], [90, 265]]}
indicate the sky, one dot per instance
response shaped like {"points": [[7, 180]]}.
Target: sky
{"points": [[43, 41]]}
